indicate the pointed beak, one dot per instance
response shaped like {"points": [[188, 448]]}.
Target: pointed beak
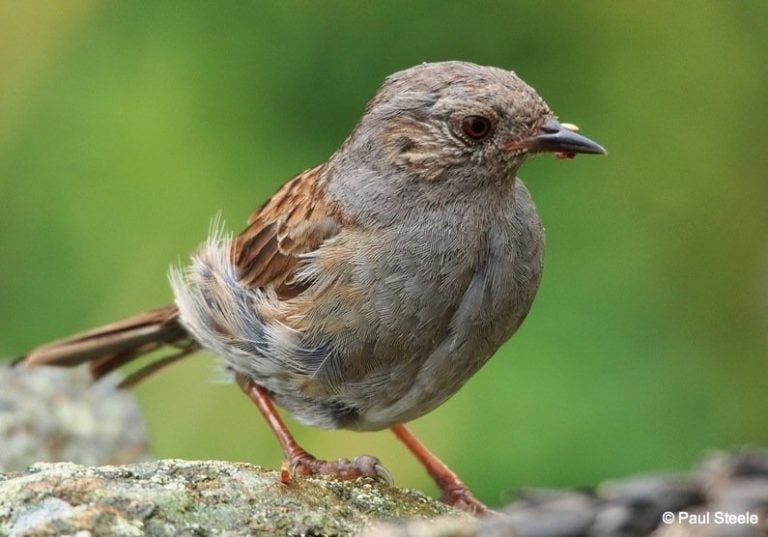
{"points": [[559, 138]]}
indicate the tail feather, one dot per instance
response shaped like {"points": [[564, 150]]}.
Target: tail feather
{"points": [[108, 347], [150, 369]]}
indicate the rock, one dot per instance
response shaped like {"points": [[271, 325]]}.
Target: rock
{"points": [[548, 513], [634, 505], [173, 497], [55, 414]]}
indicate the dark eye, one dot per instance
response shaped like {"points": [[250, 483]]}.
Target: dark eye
{"points": [[476, 127]]}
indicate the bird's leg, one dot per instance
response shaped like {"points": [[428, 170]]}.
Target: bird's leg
{"points": [[300, 462], [454, 491]]}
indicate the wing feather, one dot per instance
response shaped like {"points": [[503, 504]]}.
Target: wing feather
{"points": [[296, 220]]}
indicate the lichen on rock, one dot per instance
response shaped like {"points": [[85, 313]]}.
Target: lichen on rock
{"points": [[174, 497]]}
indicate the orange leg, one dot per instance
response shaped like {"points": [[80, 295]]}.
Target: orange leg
{"points": [[454, 491], [299, 460]]}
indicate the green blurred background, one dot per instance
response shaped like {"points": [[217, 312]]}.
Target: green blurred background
{"points": [[126, 126]]}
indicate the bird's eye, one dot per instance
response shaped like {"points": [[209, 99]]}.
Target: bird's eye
{"points": [[476, 127]]}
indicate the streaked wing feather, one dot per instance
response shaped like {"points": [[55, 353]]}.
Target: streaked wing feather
{"points": [[296, 220]]}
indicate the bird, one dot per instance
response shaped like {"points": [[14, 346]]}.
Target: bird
{"points": [[368, 289]]}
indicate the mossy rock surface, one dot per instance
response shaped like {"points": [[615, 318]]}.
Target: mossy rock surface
{"points": [[174, 497]]}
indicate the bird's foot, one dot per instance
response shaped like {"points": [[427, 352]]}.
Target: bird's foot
{"points": [[304, 464], [457, 495]]}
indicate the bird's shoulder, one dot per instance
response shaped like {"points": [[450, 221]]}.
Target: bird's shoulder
{"points": [[296, 220]]}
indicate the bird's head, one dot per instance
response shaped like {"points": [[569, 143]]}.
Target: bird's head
{"points": [[461, 121]]}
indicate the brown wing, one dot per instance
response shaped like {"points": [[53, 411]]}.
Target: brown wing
{"points": [[296, 220]]}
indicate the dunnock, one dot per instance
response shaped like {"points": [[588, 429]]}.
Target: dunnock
{"points": [[369, 288]]}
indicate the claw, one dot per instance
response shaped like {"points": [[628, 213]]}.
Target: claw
{"points": [[371, 467], [286, 473], [306, 465], [384, 474], [375, 467], [461, 498]]}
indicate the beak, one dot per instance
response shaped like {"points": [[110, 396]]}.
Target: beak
{"points": [[556, 137]]}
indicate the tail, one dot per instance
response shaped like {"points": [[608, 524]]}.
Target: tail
{"points": [[108, 347]]}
